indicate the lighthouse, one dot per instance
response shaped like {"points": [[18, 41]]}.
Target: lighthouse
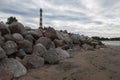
{"points": [[41, 20]]}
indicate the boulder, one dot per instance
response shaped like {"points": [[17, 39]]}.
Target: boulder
{"points": [[66, 38], [17, 37], [83, 39], [52, 45], [53, 56], [44, 41], [25, 45], [14, 66], [39, 49], [4, 29], [37, 33], [87, 47], [63, 54], [58, 43], [59, 35], [17, 27], [10, 47], [21, 53], [2, 39], [50, 33], [8, 37], [75, 38], [5, 74], [30, 38], [2, 53], [65, 47], [28, 28], [33, 61]]}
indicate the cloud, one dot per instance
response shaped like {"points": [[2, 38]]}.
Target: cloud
{"points": [[89, 17]]}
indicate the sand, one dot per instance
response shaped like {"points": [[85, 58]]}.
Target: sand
{"points": [[102, 64]]}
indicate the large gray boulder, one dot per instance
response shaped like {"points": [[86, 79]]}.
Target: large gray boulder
{"points": [[21, 53], [50, 33], [44, 41], [52, 45], [13, 66], [10, 47], [4, 29], [53, 56], [17, 37], [65, 37], [75, 38], [33, 61], [37, 33], [58, 43], [39, 49], [2, 39], [8, 37], [30, 38], [2, 53], [17, 27], [63, 53], [25, 45]]}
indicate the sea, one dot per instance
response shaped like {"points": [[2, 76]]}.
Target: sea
{"points": [[111, 43]]}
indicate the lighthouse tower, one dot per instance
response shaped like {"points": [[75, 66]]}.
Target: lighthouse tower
{"points": [[41, 20]]}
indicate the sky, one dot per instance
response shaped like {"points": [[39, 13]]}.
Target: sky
{"points": [[88, 17]]}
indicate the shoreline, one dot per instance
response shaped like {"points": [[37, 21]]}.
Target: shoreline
{"points": [[102, 64]]}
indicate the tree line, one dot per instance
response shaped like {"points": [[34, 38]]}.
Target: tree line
{"points": [[106, 39]]}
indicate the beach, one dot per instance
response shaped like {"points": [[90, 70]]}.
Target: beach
{"points": [[99, 64]]}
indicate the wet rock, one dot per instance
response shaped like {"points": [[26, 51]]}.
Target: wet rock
{"points": [[33, 61], [4, 29], [44, 41], [13, 66], [50, 33], [2, 53], [25, 45], [5, 74], [10, 47], [39, 49], [17, 37], [17, 27]]}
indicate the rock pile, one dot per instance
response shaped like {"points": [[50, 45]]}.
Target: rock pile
{"points": [[23, 48]]}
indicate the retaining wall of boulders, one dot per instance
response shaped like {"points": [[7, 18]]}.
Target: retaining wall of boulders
{"points": [[23, 48]]}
